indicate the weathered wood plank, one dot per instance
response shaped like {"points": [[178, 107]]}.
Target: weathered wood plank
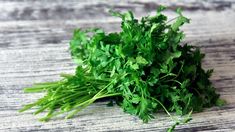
{"points": [[95, 9], [34, 38]]}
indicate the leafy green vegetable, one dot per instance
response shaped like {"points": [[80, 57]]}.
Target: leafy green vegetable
{"points": [[143, 68]]}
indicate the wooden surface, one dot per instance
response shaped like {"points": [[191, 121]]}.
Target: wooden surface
{"points": [[34, 38]]}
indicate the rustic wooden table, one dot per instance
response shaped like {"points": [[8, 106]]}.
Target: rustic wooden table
{"points": [[34, 37]]}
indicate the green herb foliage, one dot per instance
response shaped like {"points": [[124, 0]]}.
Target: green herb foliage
{"points": [[143, 68]]}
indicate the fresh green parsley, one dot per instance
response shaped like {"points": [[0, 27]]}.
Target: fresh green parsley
{"points": [[144, 68]]}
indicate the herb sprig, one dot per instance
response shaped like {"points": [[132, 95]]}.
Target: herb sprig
{"points": [[143, 68]]}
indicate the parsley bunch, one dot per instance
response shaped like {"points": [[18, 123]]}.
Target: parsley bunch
{"points": [[143, 68]]}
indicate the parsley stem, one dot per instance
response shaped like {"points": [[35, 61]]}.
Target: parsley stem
{"points": [[165, 109], [172, 19], [170, 74], [109, 95], [174, 81]]}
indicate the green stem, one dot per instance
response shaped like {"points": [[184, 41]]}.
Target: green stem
{"points": [[170, 74], [174, 81], [165, 110], [109, 95]]}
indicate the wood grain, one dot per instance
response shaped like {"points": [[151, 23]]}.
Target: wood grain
{"points": [[34, 37]]}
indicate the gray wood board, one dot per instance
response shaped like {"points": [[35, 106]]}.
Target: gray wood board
{"points": [[34, 37]]}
